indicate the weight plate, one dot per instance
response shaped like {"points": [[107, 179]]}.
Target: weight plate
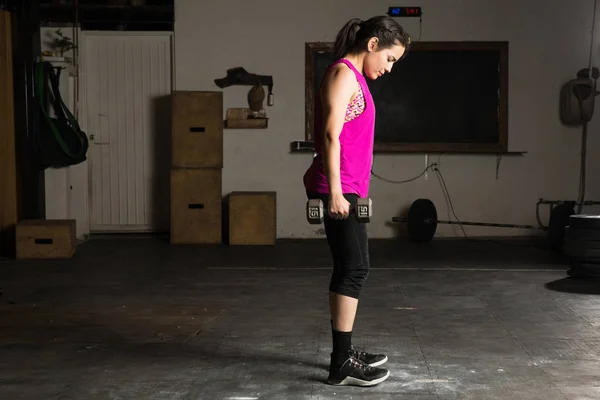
{"points": [[581, 243], [584, 270], [572, 233], [559, 219], [584, 221], [583, 273], [422, 220], [580, 251], [592, 265]]}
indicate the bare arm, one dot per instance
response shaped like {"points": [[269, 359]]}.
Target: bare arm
{"points": [[337, 90]]}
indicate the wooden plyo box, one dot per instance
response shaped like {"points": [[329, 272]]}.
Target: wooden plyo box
{"points": [[197, 129], [196, 206], [252, 218], [45, 239]]}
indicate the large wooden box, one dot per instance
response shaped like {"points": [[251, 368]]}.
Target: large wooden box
{"points": [[196, 206], [252, 218], [197, 129], [46, 239]]}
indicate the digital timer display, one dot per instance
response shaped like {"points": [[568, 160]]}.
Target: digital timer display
{"points": [[404, 11]]}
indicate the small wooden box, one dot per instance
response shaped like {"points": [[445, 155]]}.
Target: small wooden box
{"points": [[197, 129], [196, 206], [45, 239], [252, 218]]}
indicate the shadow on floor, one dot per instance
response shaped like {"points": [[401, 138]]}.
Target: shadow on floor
{"points": [[575, 286]]}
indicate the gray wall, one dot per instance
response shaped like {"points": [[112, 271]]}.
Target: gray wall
{"points": [[549, 42]]}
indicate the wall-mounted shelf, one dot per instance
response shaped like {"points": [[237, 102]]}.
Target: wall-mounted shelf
{"points": [[248, 123], [301, 146], [61, 63]]}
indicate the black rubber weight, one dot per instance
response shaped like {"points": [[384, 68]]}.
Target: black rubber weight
{"points": [[559, 219], [582, 243], [584, 270], [583, 221], [581, 251], [422, 220], [572, 233]]}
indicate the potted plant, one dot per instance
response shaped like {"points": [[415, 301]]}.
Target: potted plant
{"points": [[62, 43]]}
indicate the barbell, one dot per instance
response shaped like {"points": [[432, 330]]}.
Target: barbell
{"points": [[422, 222]]}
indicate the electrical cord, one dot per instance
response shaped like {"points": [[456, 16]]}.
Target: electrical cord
{"points": [[449, 200], [592, 37], [435, 167], [404, 181], [449, 204], [583, 163]]}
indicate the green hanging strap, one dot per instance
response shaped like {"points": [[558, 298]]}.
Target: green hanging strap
{"points": [[60, 109]]}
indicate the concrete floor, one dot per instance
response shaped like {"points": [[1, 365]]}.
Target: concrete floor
{"points": [[141, 319]]}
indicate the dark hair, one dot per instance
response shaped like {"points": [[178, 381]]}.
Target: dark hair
{"points": [[354, 36]]}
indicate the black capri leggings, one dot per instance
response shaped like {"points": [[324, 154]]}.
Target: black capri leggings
{"points": [[348, 242]]}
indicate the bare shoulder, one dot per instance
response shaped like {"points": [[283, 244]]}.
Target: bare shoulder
{"points": [[340, 82], [340, 73]]}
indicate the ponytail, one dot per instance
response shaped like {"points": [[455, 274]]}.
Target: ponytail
{"points": [[346, 38], [353, 37]]}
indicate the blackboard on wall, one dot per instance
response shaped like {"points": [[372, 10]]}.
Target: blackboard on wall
{"points": [[444, 96]]}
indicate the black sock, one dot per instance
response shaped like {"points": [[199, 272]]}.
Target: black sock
{"points": [[342, 343]]}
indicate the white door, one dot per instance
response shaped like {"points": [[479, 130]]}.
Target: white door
{"points": [[127, 84]]}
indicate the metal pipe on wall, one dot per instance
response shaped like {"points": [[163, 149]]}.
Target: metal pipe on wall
{"points": [[26, 47], [76, 58]]}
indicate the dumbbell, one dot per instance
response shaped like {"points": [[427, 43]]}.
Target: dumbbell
{"points": [[315, 210]]}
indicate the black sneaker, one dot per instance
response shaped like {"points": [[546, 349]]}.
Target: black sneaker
{"points": [[357, 373], [373, 360]]}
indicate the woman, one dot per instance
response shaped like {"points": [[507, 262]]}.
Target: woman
{"points": [[340, 174]]}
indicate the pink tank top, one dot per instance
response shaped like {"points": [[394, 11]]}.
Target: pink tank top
{"points": [[356, 143]]}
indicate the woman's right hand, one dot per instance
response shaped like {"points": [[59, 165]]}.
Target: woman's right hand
{"points": [[339, 207]]}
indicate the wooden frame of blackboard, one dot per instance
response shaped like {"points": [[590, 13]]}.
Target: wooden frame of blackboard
{"points": [[501, 146]]}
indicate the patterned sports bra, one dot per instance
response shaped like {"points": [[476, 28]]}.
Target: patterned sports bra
{"points": [[356, 106]]}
